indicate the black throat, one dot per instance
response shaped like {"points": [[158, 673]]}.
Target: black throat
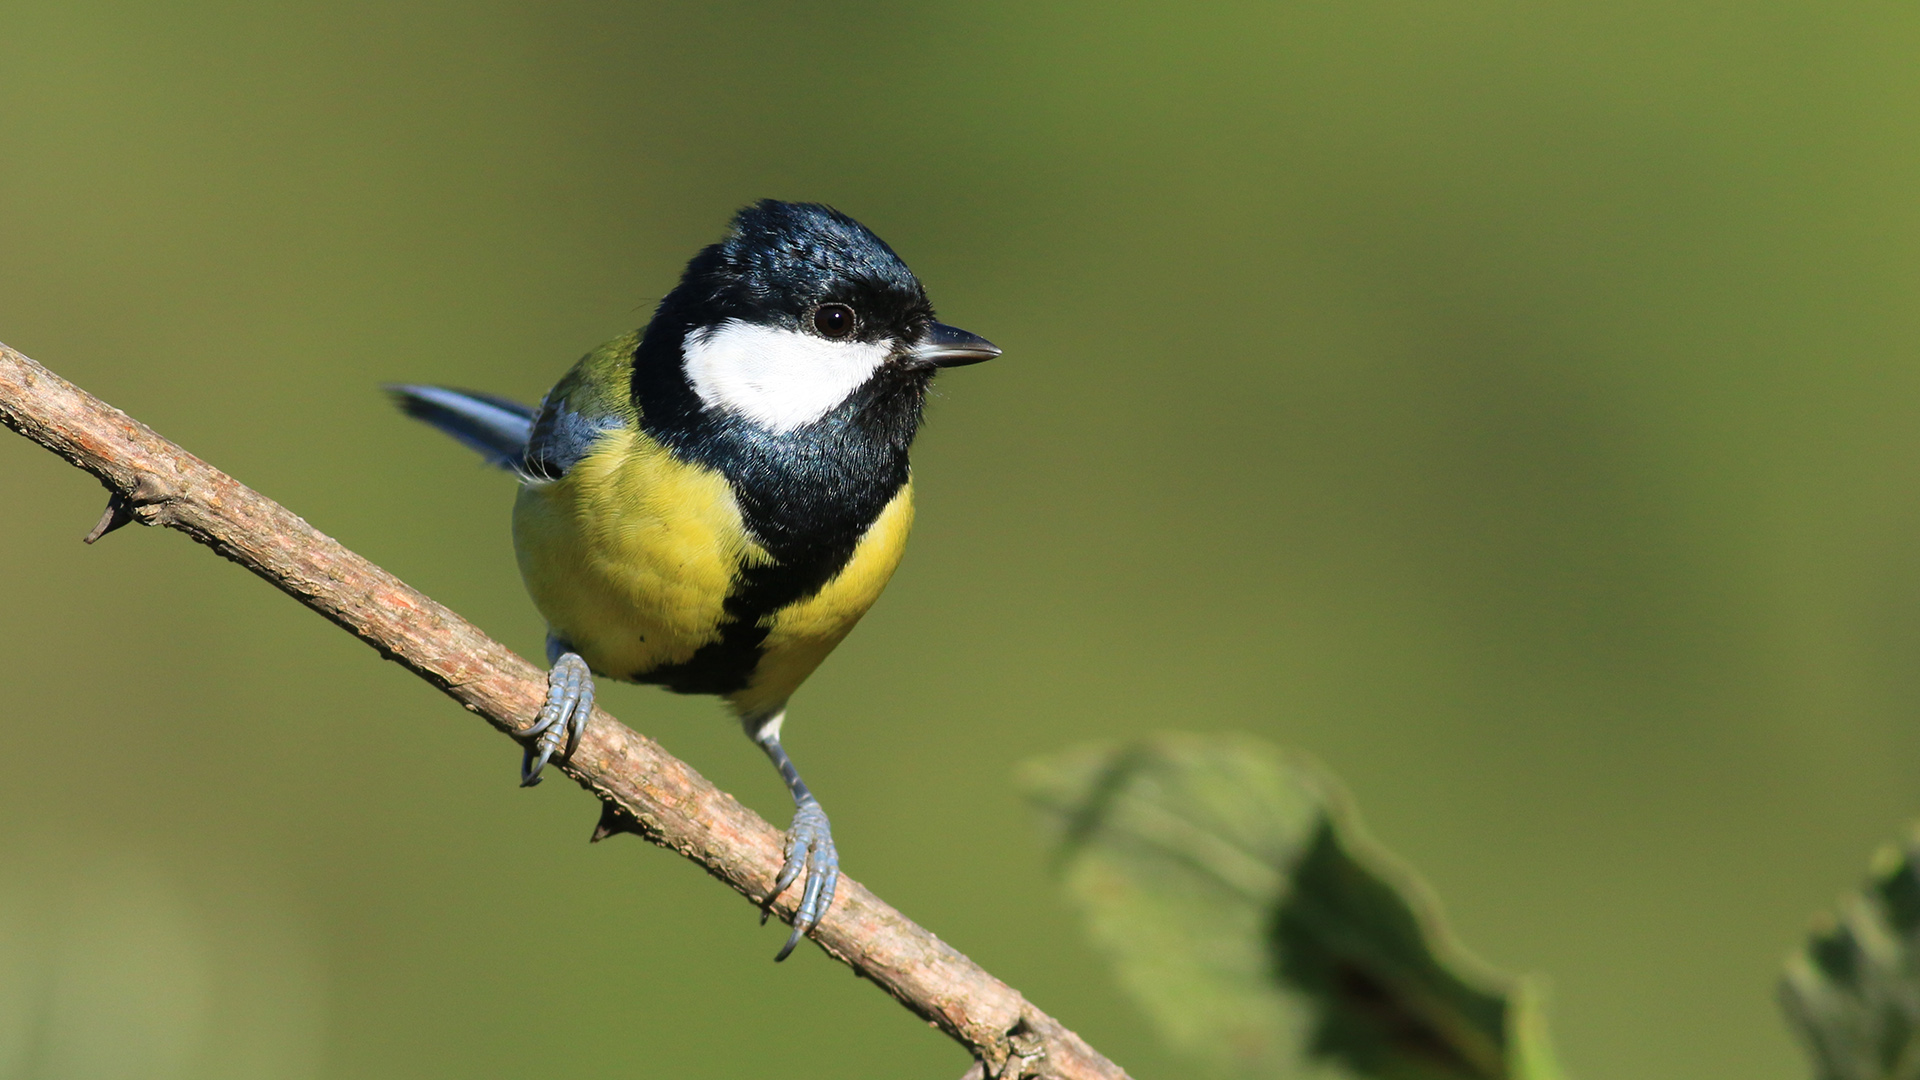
{"points": [[807, 495]]}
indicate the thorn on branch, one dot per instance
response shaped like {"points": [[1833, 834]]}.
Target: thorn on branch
{"points": [[119, 513], [613, 820], [123, 507]]}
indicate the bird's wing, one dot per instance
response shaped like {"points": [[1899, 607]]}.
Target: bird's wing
{"points": [[589, 401], [495, 426]]}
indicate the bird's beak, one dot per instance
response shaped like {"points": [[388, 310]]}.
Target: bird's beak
{"points": [[945, 346]]}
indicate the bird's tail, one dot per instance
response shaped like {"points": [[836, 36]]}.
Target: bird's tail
{"points": [[494, 426]]}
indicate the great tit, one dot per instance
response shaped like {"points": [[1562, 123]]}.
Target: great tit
{"points": [[709, 504]]}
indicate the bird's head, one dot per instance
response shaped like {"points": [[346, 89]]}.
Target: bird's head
{"points": [[798, 308]]}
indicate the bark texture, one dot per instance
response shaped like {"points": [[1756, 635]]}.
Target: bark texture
{"points": [[643, 789]]}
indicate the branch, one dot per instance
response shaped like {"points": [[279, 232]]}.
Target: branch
{"points": [[643, 789]]}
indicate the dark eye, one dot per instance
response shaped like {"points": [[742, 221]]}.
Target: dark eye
{"points": [[833, 320]]}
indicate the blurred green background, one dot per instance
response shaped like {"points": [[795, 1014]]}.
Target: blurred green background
{"points": [[1514, 404]]}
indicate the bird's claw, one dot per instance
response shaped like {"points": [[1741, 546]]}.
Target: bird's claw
{"points": [[809, 849], [562, 718]]}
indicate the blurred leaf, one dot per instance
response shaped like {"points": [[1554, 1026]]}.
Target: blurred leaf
{"points": [[1233, 889], [1854, 990]]}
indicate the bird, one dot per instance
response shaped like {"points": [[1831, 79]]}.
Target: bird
{"points": [[711, 502]]}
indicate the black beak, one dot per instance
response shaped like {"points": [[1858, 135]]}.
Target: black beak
{"points": [[949, 346]]}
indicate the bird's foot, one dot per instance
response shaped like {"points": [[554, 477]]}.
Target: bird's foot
{"points": [[562, 718], [810, 850]]}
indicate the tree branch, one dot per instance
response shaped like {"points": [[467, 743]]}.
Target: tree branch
{"points": [[644, 789]]}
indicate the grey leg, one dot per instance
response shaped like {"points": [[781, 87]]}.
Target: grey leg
{"points": [[809, 843], [564, 716]]}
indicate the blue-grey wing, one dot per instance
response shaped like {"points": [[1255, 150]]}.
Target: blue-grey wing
{"points": [[588, 402], [539, 442]]}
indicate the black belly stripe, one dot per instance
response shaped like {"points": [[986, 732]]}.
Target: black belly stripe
{"points": [[727, 665], [808, 496]]}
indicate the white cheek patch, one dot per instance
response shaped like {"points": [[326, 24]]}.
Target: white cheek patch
{"points": [[780, 379]]}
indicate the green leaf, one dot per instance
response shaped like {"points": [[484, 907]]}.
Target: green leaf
{"points": [[1240, 903], [1854, 990]]}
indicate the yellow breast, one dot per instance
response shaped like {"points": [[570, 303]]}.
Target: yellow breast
{"points": [[630, 555]]}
